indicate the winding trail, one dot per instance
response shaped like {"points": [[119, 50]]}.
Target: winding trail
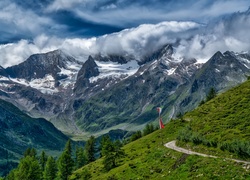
{"points": [[172, 145]]}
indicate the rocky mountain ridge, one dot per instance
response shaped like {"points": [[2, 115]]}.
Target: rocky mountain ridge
{"points": [[111, 92]]}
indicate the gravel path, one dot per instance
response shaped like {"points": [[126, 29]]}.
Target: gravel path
{"points": [[172, 145]]}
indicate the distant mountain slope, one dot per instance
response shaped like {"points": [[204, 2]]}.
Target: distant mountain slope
{"points": [[224, 118], [221, 72], [116, 92], [19, 131]]}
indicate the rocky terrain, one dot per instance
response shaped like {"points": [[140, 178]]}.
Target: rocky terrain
{"points": [[116, 92]]}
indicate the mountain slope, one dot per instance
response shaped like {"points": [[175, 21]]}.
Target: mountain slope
{"points": [[147, 158], [224, 120], [131, 102], [19, 131], [116, 92], [221, 72], [178, 86]]}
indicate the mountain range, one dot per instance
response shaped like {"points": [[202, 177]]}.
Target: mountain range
{"points": [[108, 92]]}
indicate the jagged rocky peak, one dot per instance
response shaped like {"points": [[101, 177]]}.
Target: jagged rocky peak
{"points": [[216, 57], [89, 69], [165, 52], [2, 71], [228, 59], [221, 71], [40, 65]]}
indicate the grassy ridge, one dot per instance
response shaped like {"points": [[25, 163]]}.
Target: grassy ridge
{"points": [[224, 121], [147, 158]]}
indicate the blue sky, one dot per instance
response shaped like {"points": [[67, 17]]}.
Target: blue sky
{"points": [[35, 26]]}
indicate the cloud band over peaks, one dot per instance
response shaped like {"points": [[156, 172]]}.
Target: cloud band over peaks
{"points": [[135, 41]]}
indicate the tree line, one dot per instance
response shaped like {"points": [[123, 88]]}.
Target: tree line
{"points": [[45, 167]]}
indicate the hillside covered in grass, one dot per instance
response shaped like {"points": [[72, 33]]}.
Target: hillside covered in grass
{"points": [[207, 129], [147, 158], [212, 128], [222, 124]]}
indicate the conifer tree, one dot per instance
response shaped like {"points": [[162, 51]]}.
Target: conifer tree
{"points": [[112, 154], [80, 157], [11, 175], [42, 160], [148, 129], [33, 152], [211, 94], [65, 163], [90, 149], [27, 152], [50, 169], [30, 152], [105, 142], [136, 136], [28, 168]]}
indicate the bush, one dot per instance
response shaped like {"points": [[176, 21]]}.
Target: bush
{"points": [[197, 138], [241, 148], [185, 134], [136, 136]]}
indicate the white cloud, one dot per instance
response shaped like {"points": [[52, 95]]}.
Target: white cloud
{"points": [[136, 41], [16, 21], [190, 40], [144, 39], [229, 34], [15, 53]]}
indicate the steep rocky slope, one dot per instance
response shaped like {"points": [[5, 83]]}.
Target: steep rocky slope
{"points": [[112, 91]]}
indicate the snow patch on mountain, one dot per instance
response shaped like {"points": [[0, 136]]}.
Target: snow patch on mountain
{"points": [[244, 61], [71, 73], [170, 71], [3, 78], [115, 70], [45, 85]]}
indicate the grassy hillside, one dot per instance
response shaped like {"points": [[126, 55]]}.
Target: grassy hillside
{"points": [[223, 124], [220, 121], [147, 158]]}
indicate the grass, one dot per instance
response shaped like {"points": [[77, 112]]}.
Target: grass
{"points": [[147, 158], [224, 119]]}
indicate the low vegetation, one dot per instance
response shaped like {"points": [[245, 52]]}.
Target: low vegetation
{"points": [[222, 124]]}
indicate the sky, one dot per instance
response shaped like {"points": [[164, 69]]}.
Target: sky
{"points": [[84, 27]]}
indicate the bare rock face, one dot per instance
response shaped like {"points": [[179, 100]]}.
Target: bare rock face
{"points": [[37, 66], [89, 69]]}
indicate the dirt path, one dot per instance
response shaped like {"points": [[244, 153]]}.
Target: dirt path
{"points": [[172, 145]]}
